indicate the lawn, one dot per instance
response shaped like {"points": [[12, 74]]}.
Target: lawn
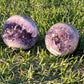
{"points": [[38, 65]]}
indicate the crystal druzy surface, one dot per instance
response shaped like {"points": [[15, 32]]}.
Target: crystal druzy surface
{"points": [[61, 39], [19, 32]]}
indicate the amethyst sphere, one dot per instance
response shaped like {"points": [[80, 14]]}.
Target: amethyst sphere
{"points": [[19, 32], [62, 39]]}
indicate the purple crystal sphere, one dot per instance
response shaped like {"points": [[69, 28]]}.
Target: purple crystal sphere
{"points": [[61, 39], [19, 32]]}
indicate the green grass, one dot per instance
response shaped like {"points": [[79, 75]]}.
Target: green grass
{"points": [[38, 65]]}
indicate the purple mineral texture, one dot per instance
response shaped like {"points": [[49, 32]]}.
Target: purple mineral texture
{"points": [[19, 32], [62, 39]]}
